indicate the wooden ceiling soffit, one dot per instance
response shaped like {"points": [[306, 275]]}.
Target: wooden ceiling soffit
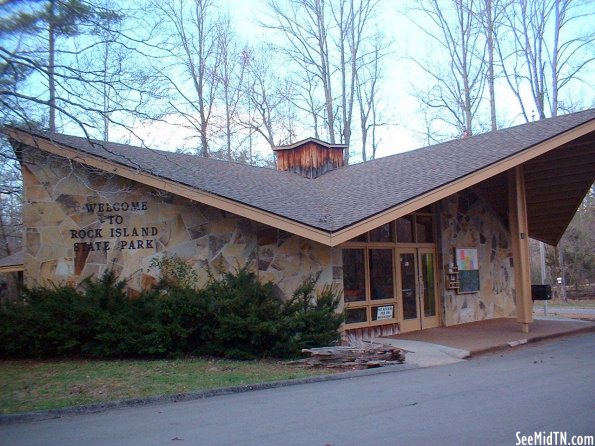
{"points": [[494, 191], [556, 184]]}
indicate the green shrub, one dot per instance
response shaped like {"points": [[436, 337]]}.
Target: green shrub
{"points": [[312, 318], [247, 317], [234, 316], [48, 321], [116, 325]]}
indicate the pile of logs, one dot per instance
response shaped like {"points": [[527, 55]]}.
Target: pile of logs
{"points": [[364, 355]]}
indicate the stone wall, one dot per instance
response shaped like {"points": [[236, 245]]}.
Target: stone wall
{"points": [[286, 259], [467, 221], [80, 221]]}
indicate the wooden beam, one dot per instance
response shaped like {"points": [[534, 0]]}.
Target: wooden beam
{"points": [[531, 187], [553, 198], [11, 268], [567, 151], [520, 246]]}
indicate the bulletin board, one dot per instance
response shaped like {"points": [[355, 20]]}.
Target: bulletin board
{"points": [[468, 264]]}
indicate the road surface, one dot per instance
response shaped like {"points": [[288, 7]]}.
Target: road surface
{"points": [[489, 400]]}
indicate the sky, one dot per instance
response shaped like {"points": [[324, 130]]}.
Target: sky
{"points": [[398, 137], [402, 76]]}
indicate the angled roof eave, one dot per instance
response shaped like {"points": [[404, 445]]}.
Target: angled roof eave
{"points": [[168, 185], [12, 268], [331, 236], [308, 140], [12, 263], [460, 184]]}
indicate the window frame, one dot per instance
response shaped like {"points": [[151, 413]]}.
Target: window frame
{"points": [[366, 245]]}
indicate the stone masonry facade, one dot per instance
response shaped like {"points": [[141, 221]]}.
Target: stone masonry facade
{"points": [[80, 222], [467, 221]]}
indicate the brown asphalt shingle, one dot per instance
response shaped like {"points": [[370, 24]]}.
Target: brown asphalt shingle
{"points": [[15, 259], [342, 197]]}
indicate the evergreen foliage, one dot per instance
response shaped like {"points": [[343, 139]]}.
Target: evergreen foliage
{"points": [[233, 316]]}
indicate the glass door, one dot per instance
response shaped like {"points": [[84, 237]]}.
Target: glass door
{"points": [[417, 289]]}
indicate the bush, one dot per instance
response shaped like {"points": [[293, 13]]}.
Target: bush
{"points": [[247, 319], [50, 321], [234, 316], [312, 319]]}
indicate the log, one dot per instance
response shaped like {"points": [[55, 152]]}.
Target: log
{"points": [[363, 355]]}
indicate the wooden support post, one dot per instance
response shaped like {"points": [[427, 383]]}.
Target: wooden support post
{"points": [[517, 204]]}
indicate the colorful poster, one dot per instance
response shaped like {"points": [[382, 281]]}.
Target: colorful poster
{"points": [[468, 265], [467, 259]]}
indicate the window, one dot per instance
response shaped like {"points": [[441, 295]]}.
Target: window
{"points": [[383, 233], [381, 274], [354, 279], [369, 268], [405, 229], [424, 231], [415, 229], [368, 276]]}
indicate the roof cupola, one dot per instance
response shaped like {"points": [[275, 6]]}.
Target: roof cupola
{"points": [[310, 158]]}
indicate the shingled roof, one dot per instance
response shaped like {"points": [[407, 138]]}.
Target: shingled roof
{"points": [[336, 204], [13, 262]]}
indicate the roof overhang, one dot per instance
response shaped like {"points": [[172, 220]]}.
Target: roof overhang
{"points": [[555, 182], [543, 165], [13, 263], [561, 157], [320, 142], [167, 185]]}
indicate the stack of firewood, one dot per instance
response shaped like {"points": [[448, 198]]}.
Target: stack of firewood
{"points": [[363, 355]]}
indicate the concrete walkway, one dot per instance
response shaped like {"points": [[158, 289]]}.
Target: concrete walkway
{"points": [[444, 345]]}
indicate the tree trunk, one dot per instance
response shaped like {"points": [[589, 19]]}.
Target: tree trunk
{"points": [[490, 45], [51, 65], [554, 63], [325, 70]]}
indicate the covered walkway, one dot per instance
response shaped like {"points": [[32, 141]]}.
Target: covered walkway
{"points": [[493, 334]]}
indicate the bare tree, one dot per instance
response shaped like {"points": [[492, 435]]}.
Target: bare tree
{"points": [[368, 83], [490, 15], [305, 98], [542, 53], [305, 26], [45, 54], [230, 74], [268, 99], [191, 62], [459, 79], [326, 40], [37, 29], [352, 20]]}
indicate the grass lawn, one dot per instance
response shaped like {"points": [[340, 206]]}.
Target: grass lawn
{"points": [[27, 385]]}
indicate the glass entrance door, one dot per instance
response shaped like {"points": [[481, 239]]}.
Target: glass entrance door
{"points": [[417, 289]]}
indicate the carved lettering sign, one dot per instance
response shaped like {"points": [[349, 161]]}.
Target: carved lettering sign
{"points": [[127, 238]]}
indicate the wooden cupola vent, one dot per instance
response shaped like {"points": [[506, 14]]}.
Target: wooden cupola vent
{"points": [[310, 158]]}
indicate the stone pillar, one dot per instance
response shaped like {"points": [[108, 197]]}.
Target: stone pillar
{"points": [[517, 205]]}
